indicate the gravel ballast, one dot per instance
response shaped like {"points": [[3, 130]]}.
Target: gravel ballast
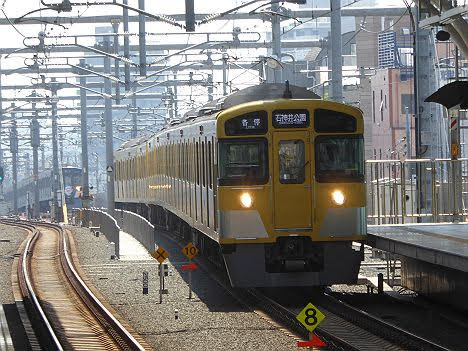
{"points": [[10, 240], [211, 320]]}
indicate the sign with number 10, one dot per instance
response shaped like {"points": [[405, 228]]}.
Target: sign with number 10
{"points": [[190, 251]]}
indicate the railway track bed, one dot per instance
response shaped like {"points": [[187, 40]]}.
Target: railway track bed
{"points": [[212, 320], [442, 324], [63, 311]]}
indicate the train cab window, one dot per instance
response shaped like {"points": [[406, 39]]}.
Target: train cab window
{"points": [[339, 159], [292, 163], [243, 161], [329, 121]]}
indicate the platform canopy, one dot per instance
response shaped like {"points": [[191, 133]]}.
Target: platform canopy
{"points": [[451, 94]]}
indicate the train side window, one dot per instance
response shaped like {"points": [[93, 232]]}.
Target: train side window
{"points": [[198, 163], [292, 163], [203, 164], [210, 168]]}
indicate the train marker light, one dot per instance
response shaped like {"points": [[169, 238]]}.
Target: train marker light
{"points": [[338, 197], [246, 200]]}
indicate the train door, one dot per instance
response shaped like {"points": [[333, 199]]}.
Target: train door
{"points": [[292, 185]]}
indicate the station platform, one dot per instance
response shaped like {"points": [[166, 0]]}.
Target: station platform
{"points": [[434, 257]]}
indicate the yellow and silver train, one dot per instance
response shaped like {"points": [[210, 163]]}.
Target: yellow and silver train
{"points": [[269, 179]]}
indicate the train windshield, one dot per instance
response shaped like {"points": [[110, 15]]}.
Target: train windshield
{"points": [[339, 159], [243, 161]]}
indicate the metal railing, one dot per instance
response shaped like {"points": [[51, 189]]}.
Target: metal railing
{"points": [[108, 225], [417, 190]]}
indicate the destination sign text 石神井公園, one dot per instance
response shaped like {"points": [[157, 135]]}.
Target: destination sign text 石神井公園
{"points": [[290, 118]]}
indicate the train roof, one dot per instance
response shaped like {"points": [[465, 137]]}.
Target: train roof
{"points": [[260, 92]]}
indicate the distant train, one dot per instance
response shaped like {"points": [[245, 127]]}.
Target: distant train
{"points": [[71, 185], [270, 180]]}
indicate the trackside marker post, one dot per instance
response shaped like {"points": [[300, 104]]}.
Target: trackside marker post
{"points": [[310, 317], [190, 251], [160, 255]]}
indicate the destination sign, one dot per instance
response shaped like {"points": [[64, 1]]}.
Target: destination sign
{"points": [[249, 123], [291, 118]]}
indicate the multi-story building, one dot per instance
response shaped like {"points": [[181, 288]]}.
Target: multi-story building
{"points": [[392, 111]]}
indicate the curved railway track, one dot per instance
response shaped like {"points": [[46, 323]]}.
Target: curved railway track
{"points": [[65, 314]]}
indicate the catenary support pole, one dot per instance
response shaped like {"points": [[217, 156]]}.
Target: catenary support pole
{"points": [[276, 38], [56, 179], [176, 104], [225, 82], [210, 87], [14, 159], [84, 148], [142, 38], [126, 47], [336, 53], [35, 143], [134, 114], [1, 115], [115, 25], [109, 136]]}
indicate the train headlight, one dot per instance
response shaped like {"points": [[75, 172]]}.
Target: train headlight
{"points": [[338, 197], [246, 200]]}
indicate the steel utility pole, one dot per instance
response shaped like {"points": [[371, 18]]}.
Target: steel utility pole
{"points": [[427, 117], [276, 38], [335, 57], [56, 188], [14, 159], [176, 105], [109, 136], [210, 87], [84, 147], [134, 114], [1, 114], [142, 38], [115, 25], [225, 82], [126, 47], [35, 143]]}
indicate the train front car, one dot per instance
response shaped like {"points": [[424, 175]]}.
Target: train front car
{"points": [[72, 187], [291, 192]]}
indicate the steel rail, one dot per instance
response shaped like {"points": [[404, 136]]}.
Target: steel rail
{"points": [[104, 316], [380, 327], [288, 317], [26, 287]]}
